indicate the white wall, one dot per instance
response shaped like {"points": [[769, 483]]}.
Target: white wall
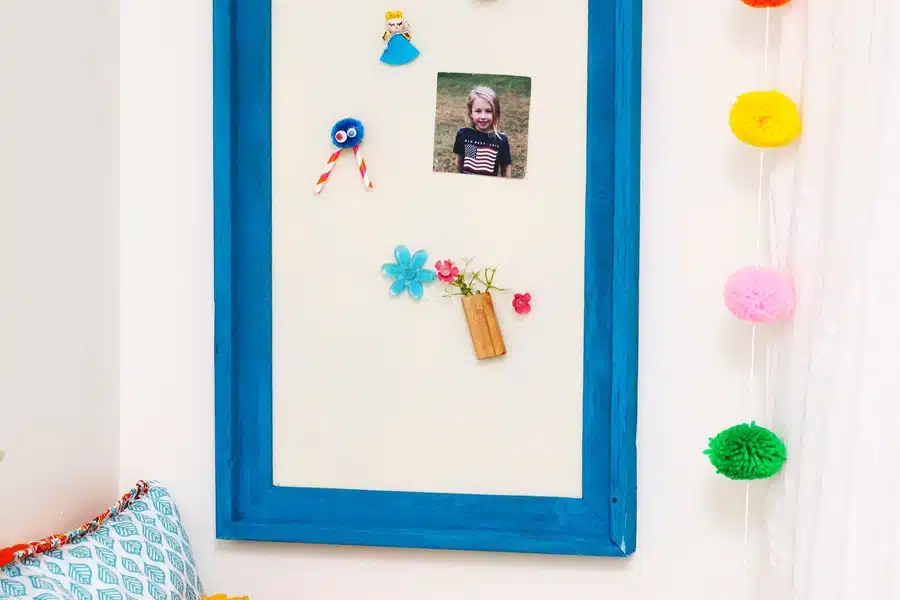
{"points": [[59, 413], [698, 215]]}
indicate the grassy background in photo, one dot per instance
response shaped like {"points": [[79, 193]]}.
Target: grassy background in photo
{"points": [[450, 114]]}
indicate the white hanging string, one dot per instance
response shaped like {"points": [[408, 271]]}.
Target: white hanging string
{"points": [[761, 198]]}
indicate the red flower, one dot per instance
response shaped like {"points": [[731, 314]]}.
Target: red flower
{"points": [[446, 270], [522, 303]]}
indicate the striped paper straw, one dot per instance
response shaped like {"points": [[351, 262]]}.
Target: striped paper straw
{"points": [[332, 161], [362, 168]]}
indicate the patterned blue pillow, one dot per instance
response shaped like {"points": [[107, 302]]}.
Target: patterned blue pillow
{"points": [[142, 551]]}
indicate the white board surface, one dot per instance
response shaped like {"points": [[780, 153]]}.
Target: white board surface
{"points": [[380, 393]]}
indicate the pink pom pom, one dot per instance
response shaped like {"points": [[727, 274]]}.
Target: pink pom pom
{"points": [[759, 295]]}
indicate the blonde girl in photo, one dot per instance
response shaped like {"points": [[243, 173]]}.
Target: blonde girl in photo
{"points": [[480, 148]]}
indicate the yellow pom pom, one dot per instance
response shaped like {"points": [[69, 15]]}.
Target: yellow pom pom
{"points": [[765, 119], [394, 14]]}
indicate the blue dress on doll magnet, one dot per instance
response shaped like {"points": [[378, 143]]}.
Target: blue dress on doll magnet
{"points": [[399, 51]]}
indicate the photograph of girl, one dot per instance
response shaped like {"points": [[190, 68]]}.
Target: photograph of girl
{"points": [[481, 124]]}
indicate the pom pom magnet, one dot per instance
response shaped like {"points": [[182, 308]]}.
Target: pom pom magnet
{"points": [[346, 133], [398, 49]]}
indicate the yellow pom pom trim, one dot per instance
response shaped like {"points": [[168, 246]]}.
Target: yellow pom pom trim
{"points": [[765, 119], [224, 597], [394, 14]]}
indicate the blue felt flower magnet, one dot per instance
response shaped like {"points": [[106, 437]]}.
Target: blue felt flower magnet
{"points": [[408, 272], [347, 133]]}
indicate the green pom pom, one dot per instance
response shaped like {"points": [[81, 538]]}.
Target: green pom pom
{"points": [[746, 452]]}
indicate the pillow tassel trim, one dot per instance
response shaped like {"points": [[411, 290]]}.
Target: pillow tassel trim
{"points": [[17, 552]]}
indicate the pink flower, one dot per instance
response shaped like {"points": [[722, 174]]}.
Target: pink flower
{"points": [[522, 303], [446, 270]]}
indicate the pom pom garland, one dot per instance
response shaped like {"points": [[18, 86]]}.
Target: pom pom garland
{"points": [[348, 133], [765, 3], [745, 452], [759, 295], [767, 119], [763, 119]]}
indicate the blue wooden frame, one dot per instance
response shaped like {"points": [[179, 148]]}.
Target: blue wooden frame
{"points": [[248, 506]]}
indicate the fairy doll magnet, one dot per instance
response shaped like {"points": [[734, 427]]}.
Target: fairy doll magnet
{"points": [[399, 49]]}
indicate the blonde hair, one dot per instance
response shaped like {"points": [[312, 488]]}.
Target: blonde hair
{"points": [[395, 17], [489, 96]]}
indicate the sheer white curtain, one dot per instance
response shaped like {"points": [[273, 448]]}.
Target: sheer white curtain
{"points": [[832, 517]]}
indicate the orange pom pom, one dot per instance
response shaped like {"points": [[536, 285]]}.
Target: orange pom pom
{"points": [[765, 3]]}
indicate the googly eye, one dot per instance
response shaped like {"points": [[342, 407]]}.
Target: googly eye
{"points": [[351, 133], [341, 136]]}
